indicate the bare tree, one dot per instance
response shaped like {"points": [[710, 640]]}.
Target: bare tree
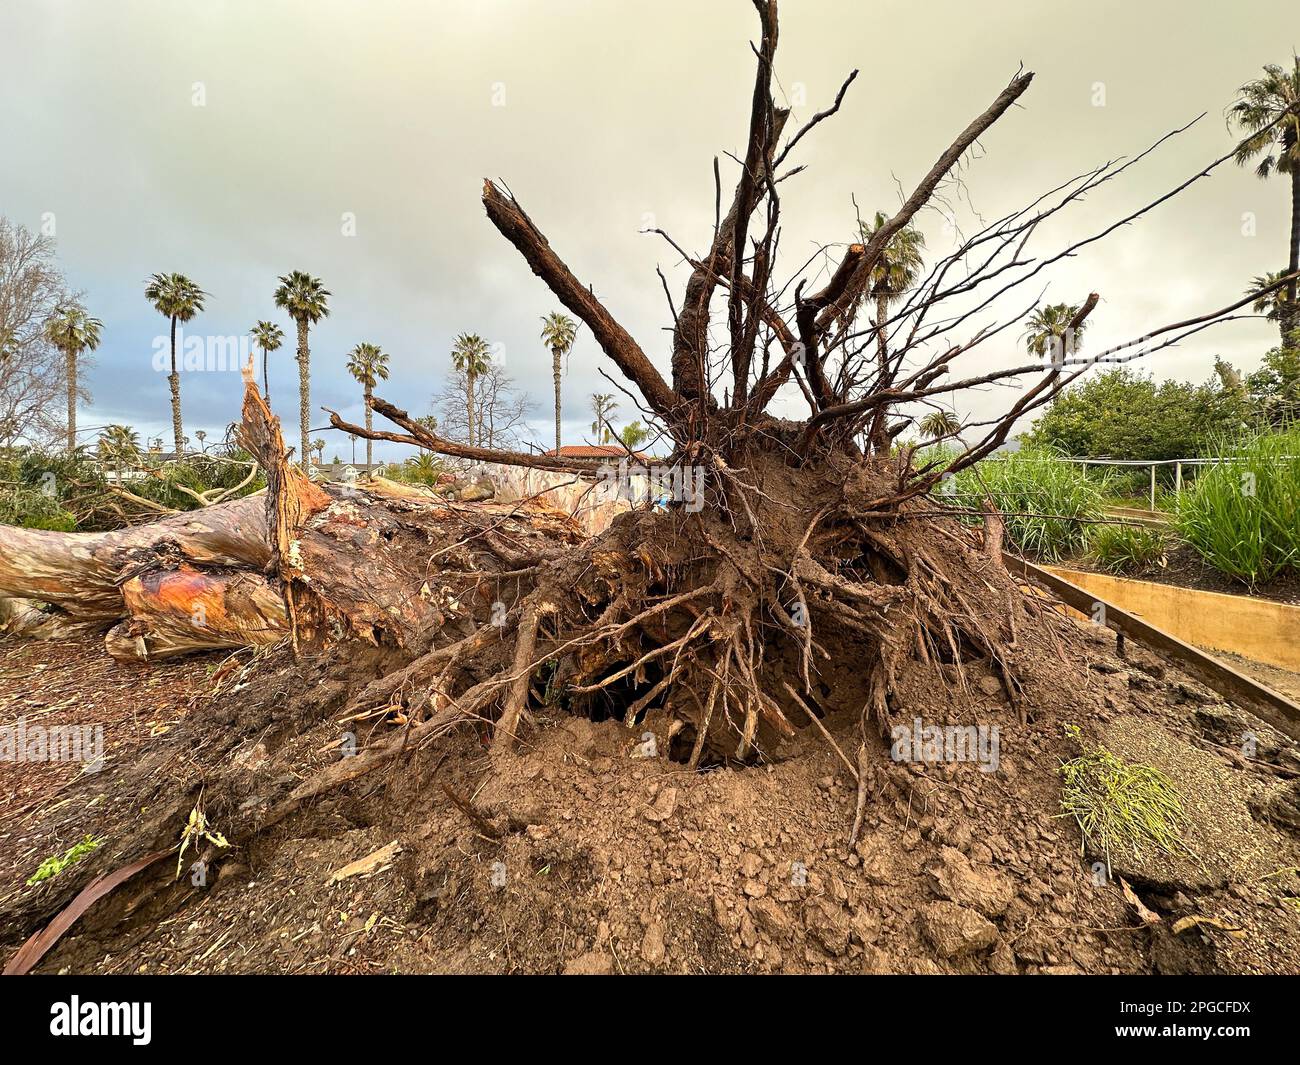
{"points": [[501, 411], [32, 378]]}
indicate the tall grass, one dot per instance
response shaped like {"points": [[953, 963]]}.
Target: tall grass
{"points": [[1039, 495], [1242, 516]]}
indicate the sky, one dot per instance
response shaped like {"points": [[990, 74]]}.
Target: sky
{"points": [[235, 141]]}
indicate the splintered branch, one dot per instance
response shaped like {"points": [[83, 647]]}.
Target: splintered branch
{"points": [[921, 196]]}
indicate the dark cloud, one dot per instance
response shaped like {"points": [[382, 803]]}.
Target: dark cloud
{"points": [[612, 113]]}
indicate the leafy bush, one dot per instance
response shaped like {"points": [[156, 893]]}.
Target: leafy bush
{"points": [[46, 490], [74, 493], [424, 468], [1121, 414], [1127, 548], [199, 473], [1242, 515]]}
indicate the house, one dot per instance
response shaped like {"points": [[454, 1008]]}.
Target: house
{"points": [[596, 453]]}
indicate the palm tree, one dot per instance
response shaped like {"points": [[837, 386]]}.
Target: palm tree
{"points": [[633, 435], [471, 356], [368, 365], [940, 423], [1048, 329], [118, 444], [307, 301], [268, 336], [604, 406], [1271, 305], [1263, 102], [895, 272], [318, 446], [558, 331], [179, 299], [423, 468], [70, 329]]}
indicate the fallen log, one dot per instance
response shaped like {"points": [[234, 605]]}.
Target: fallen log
{"points": [[387, 563], [80, 573]]}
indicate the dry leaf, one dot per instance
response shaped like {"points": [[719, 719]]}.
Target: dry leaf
{"points": [[1184, 923]]}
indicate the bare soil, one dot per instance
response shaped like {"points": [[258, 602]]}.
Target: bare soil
{"points": [[584, 857]]}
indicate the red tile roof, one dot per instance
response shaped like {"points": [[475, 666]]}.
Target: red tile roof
{"points": [[593, 451]]}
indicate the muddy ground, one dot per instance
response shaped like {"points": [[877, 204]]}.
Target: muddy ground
{"points": [[587, 857]]}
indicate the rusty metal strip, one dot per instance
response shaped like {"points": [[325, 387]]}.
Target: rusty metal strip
{"points": [[1257, 698], [35, 948]]}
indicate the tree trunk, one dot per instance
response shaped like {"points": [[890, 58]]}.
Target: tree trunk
{"points": [[304, 394], [70, 360], [266, 381], [882, 343], [469, 405], [555, 370], [205, 566], [174, 380], [370, 424], [1290, 316]]}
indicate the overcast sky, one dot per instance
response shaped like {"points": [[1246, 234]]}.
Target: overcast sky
{"points": [[602, 117]]}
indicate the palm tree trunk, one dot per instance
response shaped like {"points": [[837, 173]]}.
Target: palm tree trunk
{"points": [[555, 370], [304, 394], [70, 359], [369, 421], [882, 349], [469, 405], [876, 434], [175, 382], [266, 381], [1291, 314]]}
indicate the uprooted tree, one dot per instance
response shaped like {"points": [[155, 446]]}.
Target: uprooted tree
{"points": [[823, 572]]}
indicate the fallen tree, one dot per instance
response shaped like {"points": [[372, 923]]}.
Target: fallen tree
{"points": [[809, 568], [798, 574], [233, 574]]}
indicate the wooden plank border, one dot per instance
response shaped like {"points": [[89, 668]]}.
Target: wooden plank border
{"points": [[1259, 699]]}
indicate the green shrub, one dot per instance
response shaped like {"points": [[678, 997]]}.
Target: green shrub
{"points": [[73, 493], [199, 473], [1127, 548], [1242, 515], [1040, 496]]}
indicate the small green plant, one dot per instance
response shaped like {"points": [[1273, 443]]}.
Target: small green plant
{"points": [[1127, 548], [1120, 805], [54, 865]]}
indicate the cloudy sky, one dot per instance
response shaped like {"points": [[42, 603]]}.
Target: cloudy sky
{"points": [[232, 141]]}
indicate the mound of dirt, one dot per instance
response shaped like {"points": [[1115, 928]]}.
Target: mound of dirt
{"points": [[590, 851]]}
